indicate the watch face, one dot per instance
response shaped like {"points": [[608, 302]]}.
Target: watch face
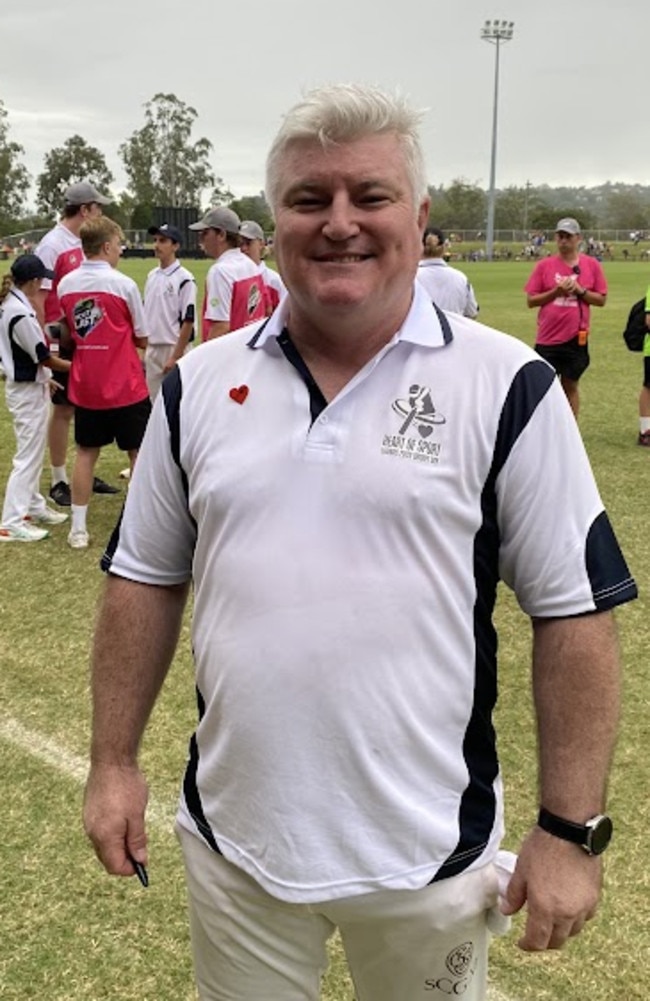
{"points": [[600, 835]]}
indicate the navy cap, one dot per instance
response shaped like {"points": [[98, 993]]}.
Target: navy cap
{"points": [[29, 266], [165, 229]]}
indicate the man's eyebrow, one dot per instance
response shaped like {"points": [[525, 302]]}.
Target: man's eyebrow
{"points": [[309, 185]]}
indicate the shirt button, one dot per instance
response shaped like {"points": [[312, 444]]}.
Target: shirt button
{"points": [[324, 419]]}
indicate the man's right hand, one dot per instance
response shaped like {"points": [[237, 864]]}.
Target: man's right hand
{"points": [[114, 807]]}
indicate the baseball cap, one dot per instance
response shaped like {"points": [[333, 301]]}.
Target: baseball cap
{"points": [[251, 230], [29, 266], [165, 229], [218, 218], [434, 231], [83, 193], [568, 225]]}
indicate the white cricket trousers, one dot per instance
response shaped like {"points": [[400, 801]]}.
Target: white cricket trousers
{"points": [[401, 945], [29, 406], [156, 357]]}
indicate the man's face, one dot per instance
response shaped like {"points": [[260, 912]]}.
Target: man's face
{"points": [[348, 235], [567, 243], [91, 211], [164, 249], [113, 250], [211, 242], [252, 249]]}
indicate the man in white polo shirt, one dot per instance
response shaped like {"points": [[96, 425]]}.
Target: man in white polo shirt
{"points": [[234, 291], [343, 485], [169, 307], [446, 286]]}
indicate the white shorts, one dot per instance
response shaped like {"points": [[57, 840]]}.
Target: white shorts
{"points": [[401, 945]]}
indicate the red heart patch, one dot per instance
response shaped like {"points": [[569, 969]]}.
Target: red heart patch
{"points": [[239, 393]]}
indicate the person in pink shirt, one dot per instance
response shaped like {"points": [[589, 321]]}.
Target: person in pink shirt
{"points": [[61, 252], [563, 287], [105, 327]]}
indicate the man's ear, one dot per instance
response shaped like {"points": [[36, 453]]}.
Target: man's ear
{"points": [[423, 214]]}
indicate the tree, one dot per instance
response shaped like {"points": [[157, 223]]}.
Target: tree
{"points": [[516, 206], [460, 206], [626, 210], [64, 165], [163, 165], [14, 176], [254, 207]]}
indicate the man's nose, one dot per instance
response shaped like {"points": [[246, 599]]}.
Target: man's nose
{"points": [[342, 221]]}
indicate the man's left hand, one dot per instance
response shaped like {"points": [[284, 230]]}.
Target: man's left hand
{"points": [[559, 884]]}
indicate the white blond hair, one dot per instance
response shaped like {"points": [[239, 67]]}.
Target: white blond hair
{"points": [[341, 113]]}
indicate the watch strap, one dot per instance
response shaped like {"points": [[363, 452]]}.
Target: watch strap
{"points": [[561, 828]]}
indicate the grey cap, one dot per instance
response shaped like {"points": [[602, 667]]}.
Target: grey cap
{"points": [[218, 218], [83, 193], [251, 230], [568, 225]]}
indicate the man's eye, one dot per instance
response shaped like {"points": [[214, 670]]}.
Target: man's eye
{"points": [[307, 201], [376, 198]]}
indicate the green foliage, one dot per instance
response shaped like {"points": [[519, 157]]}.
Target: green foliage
{"points": [[460, 206], [74, 161], [254, 207], [163, 165], [14, 176]]}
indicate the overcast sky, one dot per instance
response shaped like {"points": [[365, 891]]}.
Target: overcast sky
{"points": [[573, 81]]}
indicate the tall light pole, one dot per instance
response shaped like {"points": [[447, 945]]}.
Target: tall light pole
{"points": [[494, 32]]}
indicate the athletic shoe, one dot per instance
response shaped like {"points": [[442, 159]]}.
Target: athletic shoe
{"points": [[644, 439], [125, 474], [23, 533], [78, 539], [48, 517], [100, 487], [60, 494]]}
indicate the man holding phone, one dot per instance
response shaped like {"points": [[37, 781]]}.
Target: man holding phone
{"points": [[563, 287]]}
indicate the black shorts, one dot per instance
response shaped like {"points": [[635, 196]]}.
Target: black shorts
{"points": [[60, 396], [646, 371], [569, 359], [123, 425]]}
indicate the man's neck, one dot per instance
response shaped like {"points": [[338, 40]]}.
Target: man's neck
{"points": [[336, 348], [73, 224], [570, 259]]}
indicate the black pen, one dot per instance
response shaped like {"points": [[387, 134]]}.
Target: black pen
{"points": [[140, 870]]}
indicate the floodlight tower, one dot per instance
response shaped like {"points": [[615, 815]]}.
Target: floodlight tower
{"points": [[494, 32]]}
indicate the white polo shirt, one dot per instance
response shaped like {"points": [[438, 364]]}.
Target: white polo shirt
{"points": [[169, 300], [447, 287], [23, 349], [345, 560]]}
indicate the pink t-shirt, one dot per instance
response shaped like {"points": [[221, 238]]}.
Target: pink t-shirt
{"points": [[234, 291], [60, 251], [104, 312], [563, 318]]}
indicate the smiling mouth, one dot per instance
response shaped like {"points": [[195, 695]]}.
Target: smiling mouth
{"points": [[343, 258]]}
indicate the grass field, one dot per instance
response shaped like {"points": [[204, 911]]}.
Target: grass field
{"points": [[70, 933]]}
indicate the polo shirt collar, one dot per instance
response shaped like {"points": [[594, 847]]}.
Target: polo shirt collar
{"points": [[424, 325]]}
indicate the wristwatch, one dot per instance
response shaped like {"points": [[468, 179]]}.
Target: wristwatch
{"points": [[592, 836]]}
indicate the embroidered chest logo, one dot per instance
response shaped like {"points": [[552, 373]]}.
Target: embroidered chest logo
{"points": [[418, 418], [87, 314]]}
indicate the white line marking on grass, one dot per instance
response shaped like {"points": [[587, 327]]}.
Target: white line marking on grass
{"points": [[76, 768]]}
